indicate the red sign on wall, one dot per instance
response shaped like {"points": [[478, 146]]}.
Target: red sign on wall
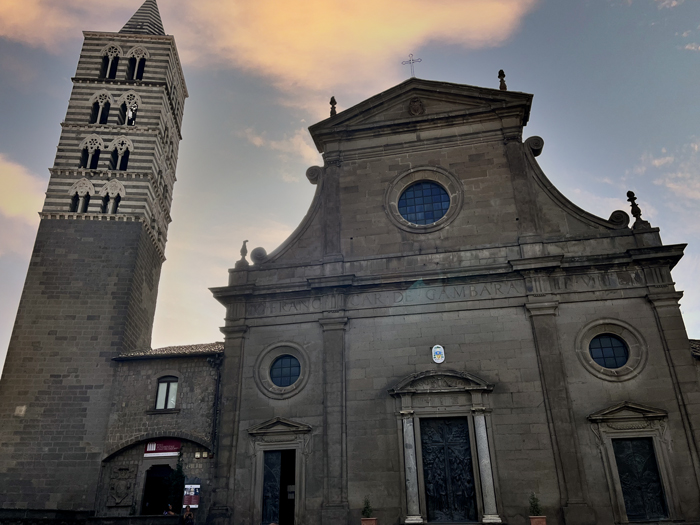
{"points": [[162, 448]]}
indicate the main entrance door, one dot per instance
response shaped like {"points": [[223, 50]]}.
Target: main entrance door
{"points": [[639, 478], [447, 470], [278, 487]]}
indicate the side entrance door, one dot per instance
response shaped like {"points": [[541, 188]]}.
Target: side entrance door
{"points": [[278, 487], [447, 470]]}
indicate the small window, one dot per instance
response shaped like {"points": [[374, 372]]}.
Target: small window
{"points": [[609, 351], [167, 393], [285, 370], [424, 203]]}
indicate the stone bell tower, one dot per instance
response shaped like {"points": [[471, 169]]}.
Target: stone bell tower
{"points": [[91, 288]]}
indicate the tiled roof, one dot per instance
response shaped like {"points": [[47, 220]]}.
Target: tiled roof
{"points": [[146, 21], [176, 351], [695, 347]]}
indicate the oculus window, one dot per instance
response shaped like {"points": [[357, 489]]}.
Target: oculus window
{"points": [[424, 203], [285, 370], [167, 393], [609, 351]]}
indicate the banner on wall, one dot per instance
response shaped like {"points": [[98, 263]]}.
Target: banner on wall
{"points": [[191, 497], [160, 448]]}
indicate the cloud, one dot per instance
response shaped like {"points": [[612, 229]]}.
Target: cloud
{"points": [[21, 198], [648, 161], [21, 193], [692, 47], [298, 147], [667, 4], [684, 179], [310, 44]]}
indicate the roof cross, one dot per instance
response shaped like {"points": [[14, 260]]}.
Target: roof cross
{"points": [[411, 61]]}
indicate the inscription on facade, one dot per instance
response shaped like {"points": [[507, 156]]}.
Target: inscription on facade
{"points": [[413, 296]]}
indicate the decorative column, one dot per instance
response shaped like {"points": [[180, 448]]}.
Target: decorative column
{"points": [[335, 500], [488, 491], [411, 467]]}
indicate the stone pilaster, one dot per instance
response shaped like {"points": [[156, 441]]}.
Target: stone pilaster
{"points": [[335, 498], [564, 441], [220, 512], [681, 365]]}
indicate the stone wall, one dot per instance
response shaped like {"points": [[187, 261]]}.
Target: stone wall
{"points": [[83, 303]]}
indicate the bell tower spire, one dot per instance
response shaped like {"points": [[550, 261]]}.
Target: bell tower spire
{"points": [[146, 21]]}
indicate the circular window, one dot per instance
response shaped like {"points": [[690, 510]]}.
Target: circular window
{"points": [[609, 351], [282, 370], [423, 199], [424, 203], [285, 370]]}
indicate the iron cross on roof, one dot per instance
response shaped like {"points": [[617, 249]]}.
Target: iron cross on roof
{"points": [[411, 61]]}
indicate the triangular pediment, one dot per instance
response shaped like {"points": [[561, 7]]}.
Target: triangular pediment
{"points": [[440, 381], [417, 100], [278, 426], [627, 411]]}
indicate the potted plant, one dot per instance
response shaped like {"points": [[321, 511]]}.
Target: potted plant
{"points": [[367, 510], [536, 517]]}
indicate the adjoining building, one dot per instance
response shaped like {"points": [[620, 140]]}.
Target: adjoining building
{"points": [[443, 334]]}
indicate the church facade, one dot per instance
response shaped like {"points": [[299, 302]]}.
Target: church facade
{"points": [[442, 336]]}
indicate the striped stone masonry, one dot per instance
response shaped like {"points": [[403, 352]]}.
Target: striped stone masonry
{"points": [[97, 119]]}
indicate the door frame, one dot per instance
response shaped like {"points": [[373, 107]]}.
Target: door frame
{"points": [[631, 420], [279, 434], [472, 452]]}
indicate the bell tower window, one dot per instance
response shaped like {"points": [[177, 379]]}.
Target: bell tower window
{"points": [[129, 104], [100, 112], [121, 149], [89, 160], [110, 62], [137, 63], [79, 203]]}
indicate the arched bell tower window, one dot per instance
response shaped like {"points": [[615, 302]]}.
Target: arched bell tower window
{"points": [[112, 193], [129, 104], [110, 61], [137, 63], [121, 148], [80, 194], [90, 152], [101, 104]]}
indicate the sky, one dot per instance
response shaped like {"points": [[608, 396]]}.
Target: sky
{"points": [[616, 100]]}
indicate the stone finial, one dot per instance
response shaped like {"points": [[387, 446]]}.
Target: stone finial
{"points": [[502, 78], [243, 263], [333, 104], [639, 223]]}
